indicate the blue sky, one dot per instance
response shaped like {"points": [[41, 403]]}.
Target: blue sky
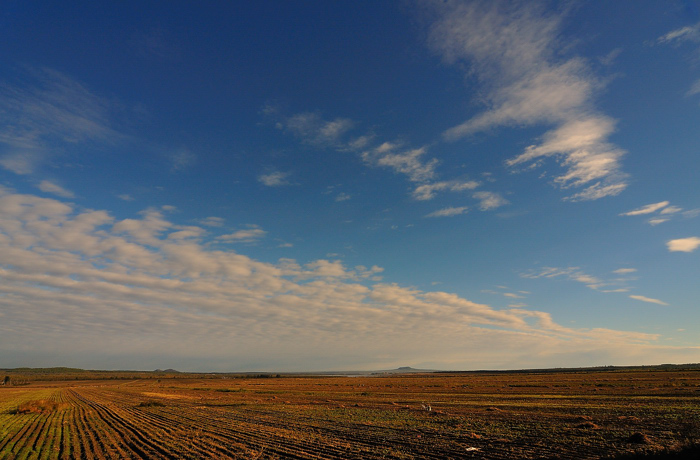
{"points": [[349, 185]]}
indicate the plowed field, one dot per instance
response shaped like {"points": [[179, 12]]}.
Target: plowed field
{"points": [[496, 416]]}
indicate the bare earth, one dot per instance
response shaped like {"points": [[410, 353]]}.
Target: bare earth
{"points": [[582, 415]]}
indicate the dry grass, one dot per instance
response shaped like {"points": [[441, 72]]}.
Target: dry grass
{"points": [[40, 406]]}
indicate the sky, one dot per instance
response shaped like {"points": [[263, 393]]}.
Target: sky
{"points": [[312, 185]]}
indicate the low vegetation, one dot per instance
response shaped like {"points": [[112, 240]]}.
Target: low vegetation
{"points": [[548, 415]]}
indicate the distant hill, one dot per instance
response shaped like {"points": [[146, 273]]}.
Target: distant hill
{"points": [[404, 370], [46, 370], [167, 371]]}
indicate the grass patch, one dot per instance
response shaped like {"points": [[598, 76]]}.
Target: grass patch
{"points": [[39, 406]]}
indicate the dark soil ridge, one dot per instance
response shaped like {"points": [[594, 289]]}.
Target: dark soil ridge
{"points": [[687, 453]]}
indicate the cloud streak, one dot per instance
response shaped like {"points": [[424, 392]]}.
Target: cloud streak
{"points": [[648, 209], [413, 163], [490, 200], [47, 113], [664, 209], [576, 274], [428, 191], [512, 50], [275, 179], [449, 212], [648, 300], [50, 187], [310, 128], [409, 162], [249, 235]]}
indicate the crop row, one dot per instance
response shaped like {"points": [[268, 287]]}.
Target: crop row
{"points": [[342, 418]]}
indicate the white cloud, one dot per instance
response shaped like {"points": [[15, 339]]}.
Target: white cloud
{"points": [[50, 187], [597, 191], [211, 221], [449, 212], [586, 155], [684, 244], [408, 162], [145, 288], [249, 235], [125, 197], [648, 209], [312, 129], [274, 179], [647, 299], [695, 89], [513, 50], [490, 200], [411, 162], [663, 208], [575, 274], [586, 279], [688, 33], [342, 197], [692, 213], [427, 191], [549, 272], [181, 159], [671, 210]]}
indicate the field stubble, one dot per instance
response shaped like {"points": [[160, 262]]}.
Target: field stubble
{"points": [[583, 415]]}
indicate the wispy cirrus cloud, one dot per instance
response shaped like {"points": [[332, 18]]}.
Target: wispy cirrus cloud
{"points": [[211, 221], [598, 283], [607, 286], [75, 278], [311, 128], [50, 187], [695, 89], [413, 163], [47, 113], [251, 234], [410, 162], [663, 208], [449, 212], [648, 300], [685, 35], [490, 200], [181, 159], [275, 179], [428, 191], [648, 209], [513, 50]]}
